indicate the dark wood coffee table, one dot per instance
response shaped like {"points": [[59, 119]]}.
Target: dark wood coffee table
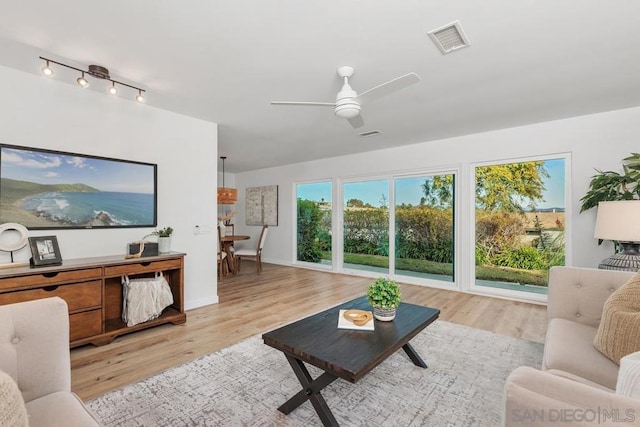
{"points": [[343, 353]]}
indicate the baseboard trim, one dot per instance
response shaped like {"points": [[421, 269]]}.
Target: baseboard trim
{"points": [[201, 302]]}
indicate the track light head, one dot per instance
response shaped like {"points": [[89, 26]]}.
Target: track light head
{"points": [[112, 89], [140, 97], [47, 70], [82, 81]]}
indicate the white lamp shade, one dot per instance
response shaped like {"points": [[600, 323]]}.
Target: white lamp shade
{"points": [[618, 220]]}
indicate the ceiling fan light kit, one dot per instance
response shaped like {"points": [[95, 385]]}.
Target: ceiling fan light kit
{"points": [[348, 103], [97, 71]]}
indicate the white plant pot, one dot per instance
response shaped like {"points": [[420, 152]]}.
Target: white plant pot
{"points": [[164, 244], [384, 314]]}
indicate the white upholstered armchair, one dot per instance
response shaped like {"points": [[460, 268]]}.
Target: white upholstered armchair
{"points": [[34, 351], [578, 385]]}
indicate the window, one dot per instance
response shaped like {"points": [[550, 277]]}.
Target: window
{"points": [[424, 225], [366, 225], [520, 224], [314, 222]]}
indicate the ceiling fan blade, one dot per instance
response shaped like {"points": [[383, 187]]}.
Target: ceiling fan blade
{"points": [[356, 121], [387, 88], [305, 104]]}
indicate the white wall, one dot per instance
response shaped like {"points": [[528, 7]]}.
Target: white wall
{"points": [[45, 113], [595, 141]]}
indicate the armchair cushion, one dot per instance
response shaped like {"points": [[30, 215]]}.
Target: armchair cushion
{"points": [[60, 409], [619, 330], [569, 347], [572, 377], [578, 294]]}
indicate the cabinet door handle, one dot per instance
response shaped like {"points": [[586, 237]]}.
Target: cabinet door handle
{"points": [[50, 275], [50, 288]]}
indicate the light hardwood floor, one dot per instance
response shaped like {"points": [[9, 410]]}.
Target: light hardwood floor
{"points": [[251, 304]]}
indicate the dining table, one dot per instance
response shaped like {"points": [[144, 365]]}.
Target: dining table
{"points": [[227, 244]]}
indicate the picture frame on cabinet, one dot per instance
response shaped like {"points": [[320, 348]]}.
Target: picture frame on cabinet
{"points": [[44, 251]]}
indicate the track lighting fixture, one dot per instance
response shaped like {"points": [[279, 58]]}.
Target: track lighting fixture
{"points": [[82, 81], [47, 71], [96, 71]]}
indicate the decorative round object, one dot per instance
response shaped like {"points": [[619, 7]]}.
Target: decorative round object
{"points": [[384, 314], [358, 317], [10, 245]]}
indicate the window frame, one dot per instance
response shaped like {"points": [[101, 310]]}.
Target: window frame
{"points": [[294, 255], [470, 284]]}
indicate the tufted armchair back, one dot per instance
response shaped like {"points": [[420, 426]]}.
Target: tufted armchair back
{"points": [[34, 346], [578, 294]]}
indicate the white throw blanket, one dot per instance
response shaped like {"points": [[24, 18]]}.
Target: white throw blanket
{"points": [[145, 298]]}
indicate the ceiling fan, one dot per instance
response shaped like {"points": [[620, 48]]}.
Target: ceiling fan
{"points": [[348, 102]]}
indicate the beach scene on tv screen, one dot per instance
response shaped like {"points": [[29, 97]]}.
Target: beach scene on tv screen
{"points": [[41, 189]]}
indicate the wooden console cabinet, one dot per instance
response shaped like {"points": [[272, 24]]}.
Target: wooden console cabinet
{"points": [[93, 291]]}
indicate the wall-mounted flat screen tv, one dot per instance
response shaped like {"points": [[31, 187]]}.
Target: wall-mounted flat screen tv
{"points": [[45, 189]]}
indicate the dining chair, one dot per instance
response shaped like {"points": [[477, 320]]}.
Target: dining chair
{"points": [[222, 258], [253, 253], [230, 230]]}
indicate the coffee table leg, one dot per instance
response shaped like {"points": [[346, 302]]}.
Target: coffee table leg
{"points": [[414, 356], [310, 391]]}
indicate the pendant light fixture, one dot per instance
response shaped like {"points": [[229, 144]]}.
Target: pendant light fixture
{"points": [[226, 195]]}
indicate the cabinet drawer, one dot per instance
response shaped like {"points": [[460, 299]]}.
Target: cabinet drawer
{"points": [[142, 267], [78, 296], [50, 278], [84, 325]]}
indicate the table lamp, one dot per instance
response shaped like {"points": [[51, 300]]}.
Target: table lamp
{"points": [[620, 221]]}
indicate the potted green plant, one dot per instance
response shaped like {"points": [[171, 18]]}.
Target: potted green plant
{"points": [[164, 239], [384, 296], [607, 186]]}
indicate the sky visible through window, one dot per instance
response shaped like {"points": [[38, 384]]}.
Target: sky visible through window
{"points": [[316, 191], [408, 190]]}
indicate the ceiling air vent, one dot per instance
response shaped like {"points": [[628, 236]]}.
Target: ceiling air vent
{"points": [[370, 133], [449, 38]]}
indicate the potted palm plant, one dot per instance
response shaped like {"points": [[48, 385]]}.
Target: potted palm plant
{"points": [[384, 296], [164, 239]]}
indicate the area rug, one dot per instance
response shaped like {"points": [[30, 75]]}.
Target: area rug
{"points": [[243, 385]]}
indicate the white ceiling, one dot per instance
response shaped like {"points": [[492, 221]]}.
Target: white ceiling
{"points": [[224, 61]]}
